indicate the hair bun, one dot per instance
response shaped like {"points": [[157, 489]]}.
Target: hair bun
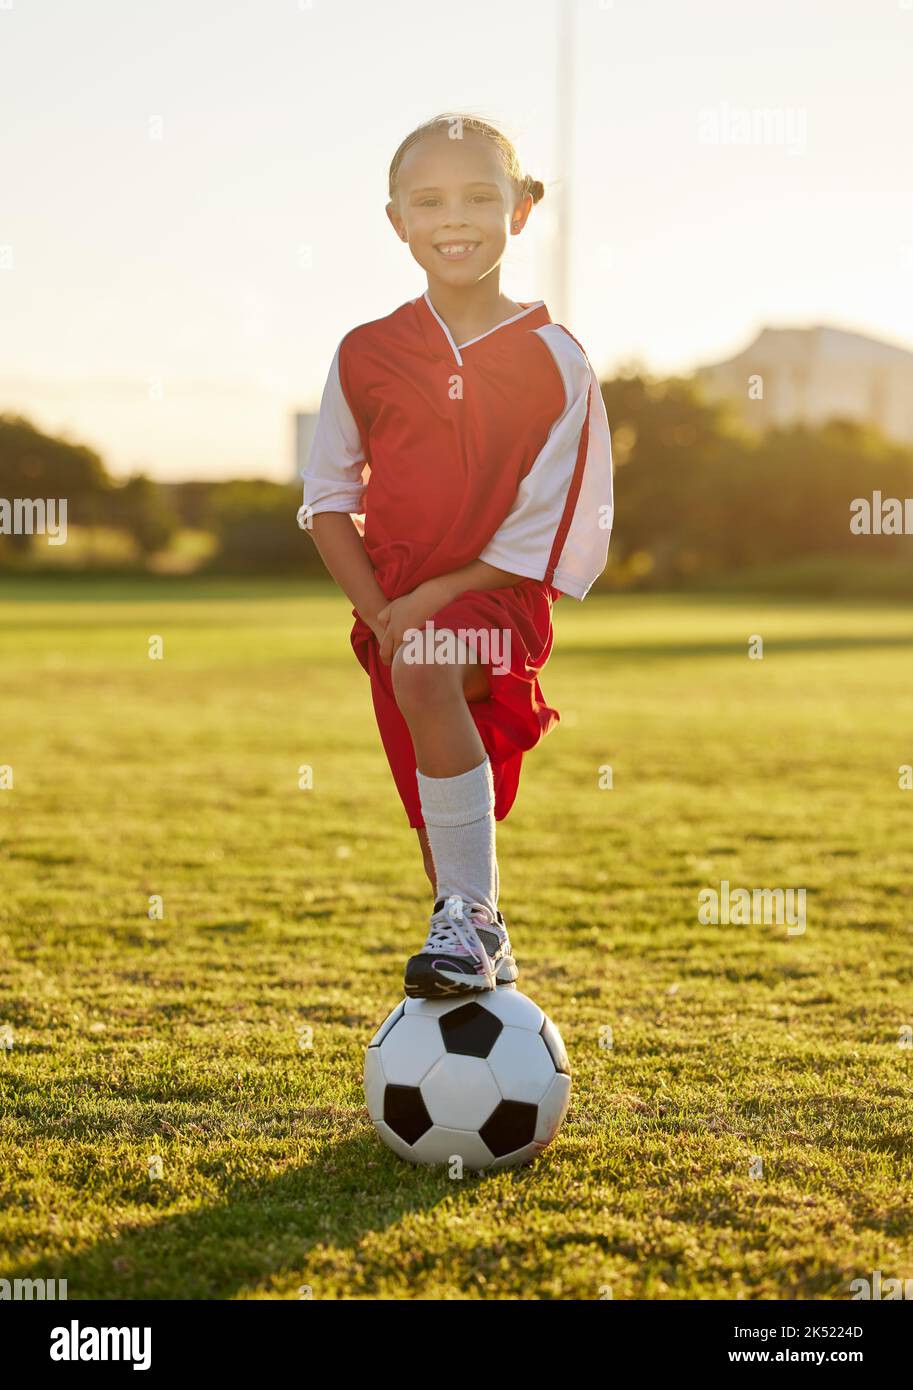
{"points": [[535, 188]]}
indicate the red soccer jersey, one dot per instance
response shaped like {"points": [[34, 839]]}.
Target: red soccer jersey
{"points": [[497, 449]]}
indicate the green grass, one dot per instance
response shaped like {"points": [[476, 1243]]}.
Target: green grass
{"points": [[284, 908]]}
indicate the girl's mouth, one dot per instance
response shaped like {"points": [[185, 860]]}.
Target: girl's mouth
{"points": [[456, 250]]}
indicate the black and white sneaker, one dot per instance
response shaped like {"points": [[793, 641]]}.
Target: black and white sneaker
{"points": [[465, 951]]}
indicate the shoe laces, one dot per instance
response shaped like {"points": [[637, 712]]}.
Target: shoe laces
{"points": [[452, 929]]}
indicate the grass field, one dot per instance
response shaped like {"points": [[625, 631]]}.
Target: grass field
{"points": [[284, 908]]}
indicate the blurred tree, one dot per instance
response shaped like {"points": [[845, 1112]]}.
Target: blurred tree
{"points": [[139, 506], [193, 502], [34, 464], [670, 448], [256, 526], [696, 496]]}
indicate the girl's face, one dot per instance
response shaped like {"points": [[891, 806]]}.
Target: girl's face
{"points": [[456, 207]]}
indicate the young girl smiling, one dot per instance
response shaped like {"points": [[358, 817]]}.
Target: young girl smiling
{"points": [[459, 482]]}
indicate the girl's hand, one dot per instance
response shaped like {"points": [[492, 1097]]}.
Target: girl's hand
{"points": [[377, 626], [409, 611]]}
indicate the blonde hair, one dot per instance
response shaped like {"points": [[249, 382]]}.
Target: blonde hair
{"points": [[523, 183]]}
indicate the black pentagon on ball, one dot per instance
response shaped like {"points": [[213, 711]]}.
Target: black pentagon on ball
{"points": [[405, 1113], [470, 1031], [511, 1125], [552, 1039]]}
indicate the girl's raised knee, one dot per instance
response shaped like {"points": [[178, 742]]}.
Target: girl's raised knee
{"points": [[416, 684]]}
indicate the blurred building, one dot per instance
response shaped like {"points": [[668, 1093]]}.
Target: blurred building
{"points": [[810, 375]]}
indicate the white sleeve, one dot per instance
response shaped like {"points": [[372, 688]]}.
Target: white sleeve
{"points": [[334, 473], [559, 526]]}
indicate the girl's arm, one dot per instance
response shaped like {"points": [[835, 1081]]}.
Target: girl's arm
{"points": [[342, 551], [477, 575]]}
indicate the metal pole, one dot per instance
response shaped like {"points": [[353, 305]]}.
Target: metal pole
{"points": [[567, 14]]}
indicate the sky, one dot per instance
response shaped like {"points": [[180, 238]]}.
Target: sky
{"points": [[192, 193]]}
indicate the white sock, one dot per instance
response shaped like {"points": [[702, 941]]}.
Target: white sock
{"points": [[459, 816]]}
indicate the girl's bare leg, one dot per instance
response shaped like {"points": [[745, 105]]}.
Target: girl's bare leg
{"points": [[434, 702]]}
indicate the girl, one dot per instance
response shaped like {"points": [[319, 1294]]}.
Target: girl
{"points": [[460, 481]]}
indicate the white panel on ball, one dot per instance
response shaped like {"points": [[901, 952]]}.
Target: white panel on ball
{"points": [[460, 1092], [410, 1049], [375, 1081], [552, 1108], [522, 1066], [512, 1007], [440, 1144]]}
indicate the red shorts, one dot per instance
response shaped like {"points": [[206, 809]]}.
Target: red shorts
{"points": [[514, 717]]}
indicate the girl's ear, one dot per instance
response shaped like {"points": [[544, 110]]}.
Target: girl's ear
{"points": [[396, 221], [520, 214]]}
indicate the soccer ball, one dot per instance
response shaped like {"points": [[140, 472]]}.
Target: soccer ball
{"points": [[486, 1078]]}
